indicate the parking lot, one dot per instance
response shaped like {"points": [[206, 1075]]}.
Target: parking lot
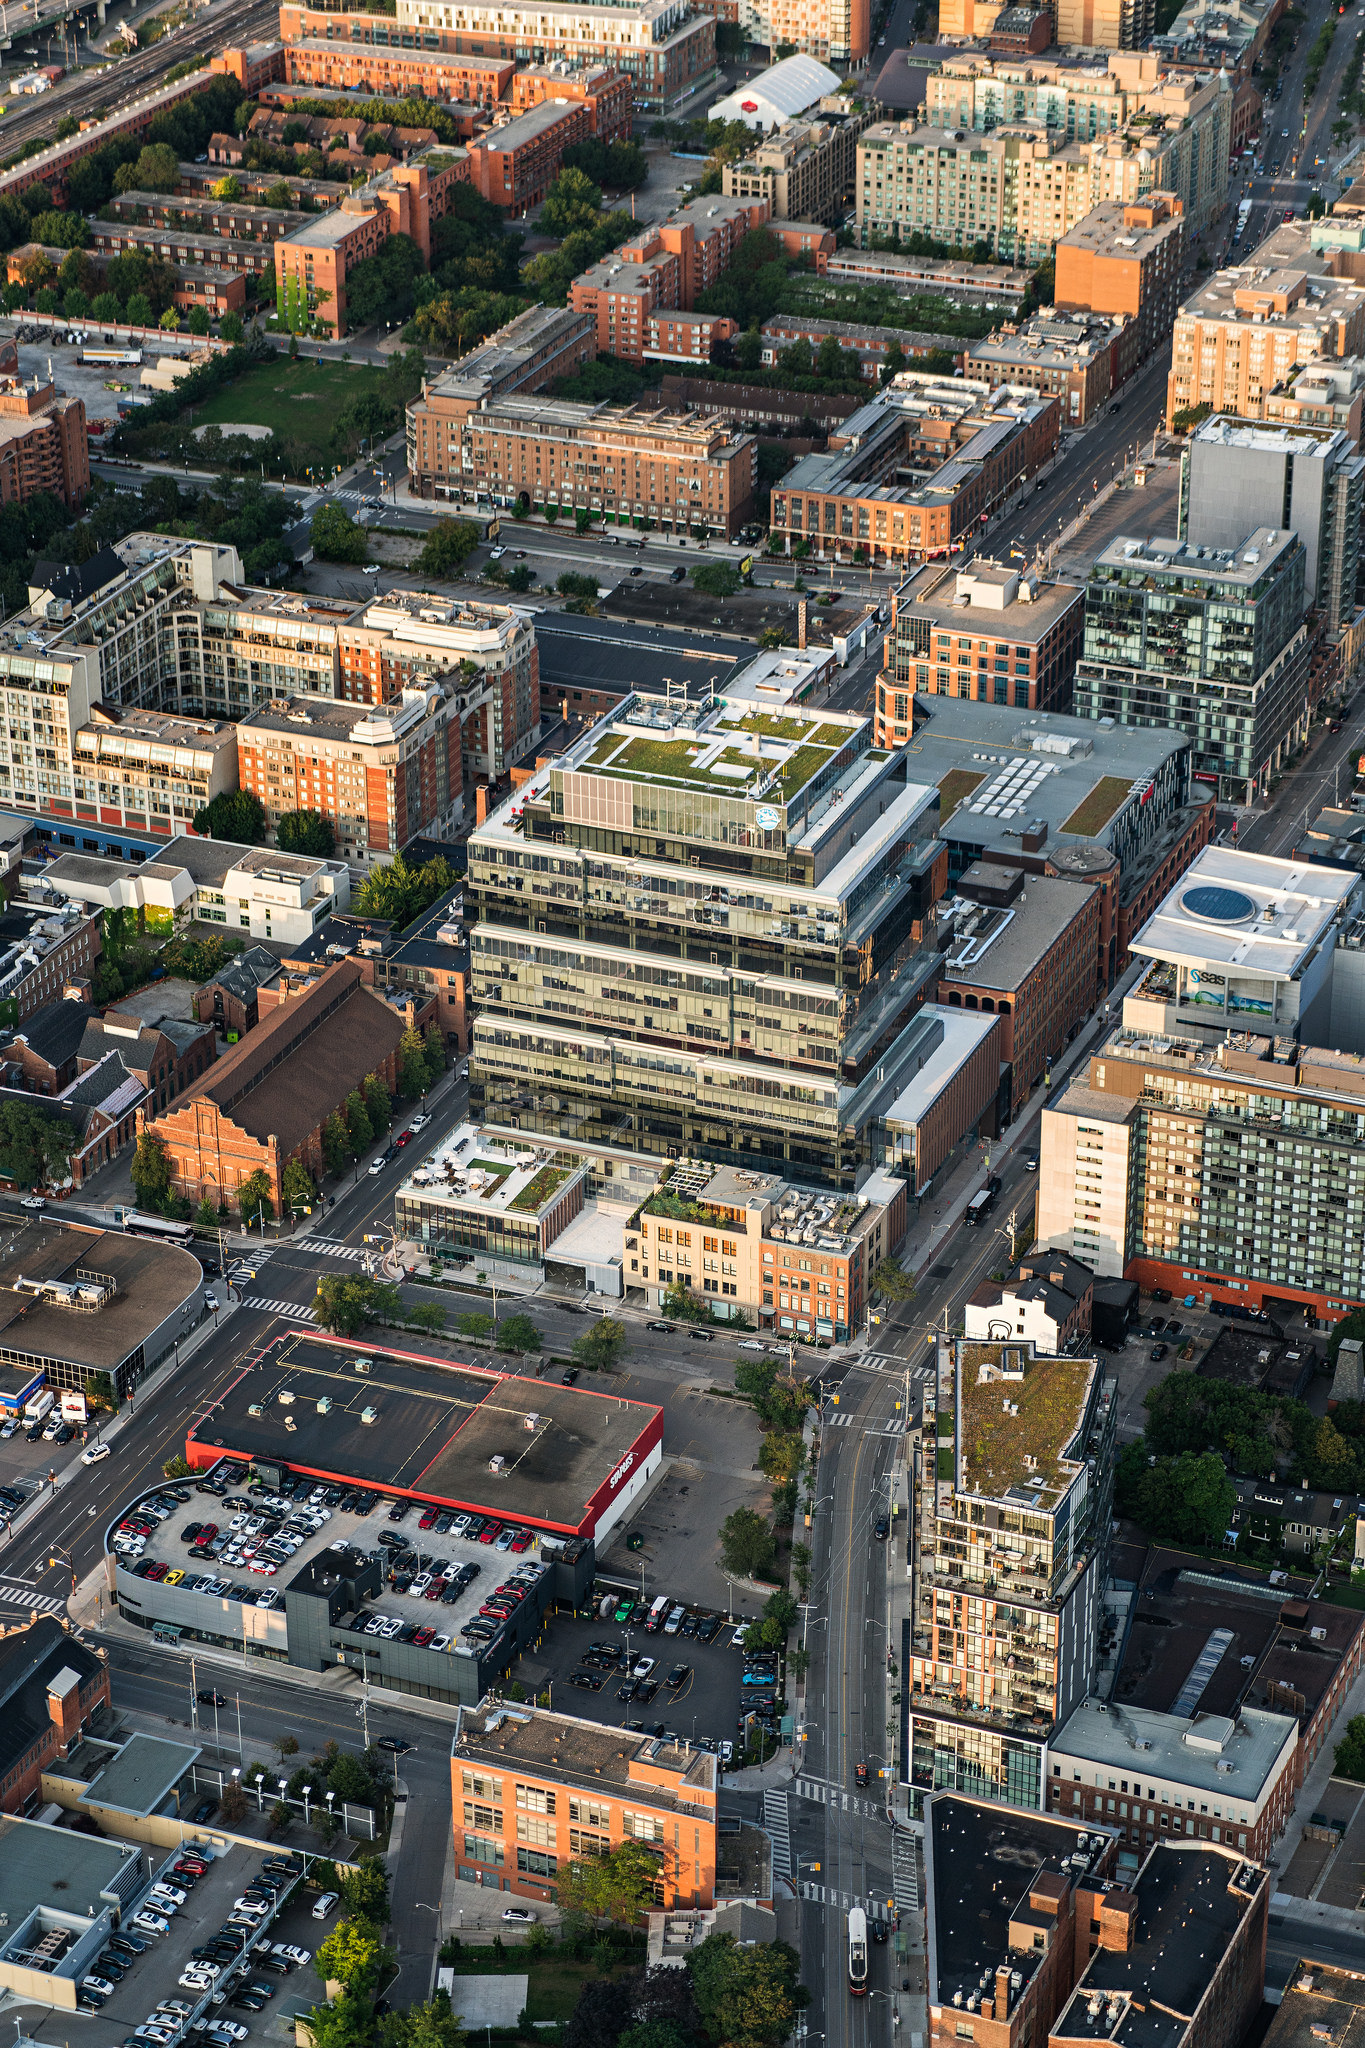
{"points": [[153, 1977], [704, 1706]]}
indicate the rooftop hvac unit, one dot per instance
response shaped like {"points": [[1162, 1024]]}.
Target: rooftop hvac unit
{"points": [[369, 1415], [285, 1400], [531, 1422], [324, 1404], [497, 1463], [255, 1409], [364, 1365]]}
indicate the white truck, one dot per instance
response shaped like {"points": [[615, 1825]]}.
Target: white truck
{"points": [[39, 1406]]}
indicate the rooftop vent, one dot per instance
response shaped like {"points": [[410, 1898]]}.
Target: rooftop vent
{"points": [[364, 1365], [369, 1415], [324, 1404]]}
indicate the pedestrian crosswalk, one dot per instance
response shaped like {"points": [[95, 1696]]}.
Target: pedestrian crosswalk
{"points": [[828, 1895], [13, 1593], [333, 1247], [296, 1311], [905, 1872], [825, 1794], [846, 1421], [775, 1820]]}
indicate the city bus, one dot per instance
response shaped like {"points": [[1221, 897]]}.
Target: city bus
{"points": [[139, 1225]]}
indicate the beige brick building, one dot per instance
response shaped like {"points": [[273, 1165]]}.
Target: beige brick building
{"points": [[792, 1259], [805, 171], [1241, 335]]}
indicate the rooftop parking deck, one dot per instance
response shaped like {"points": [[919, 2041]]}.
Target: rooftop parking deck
{"points": [[396, 1575]]}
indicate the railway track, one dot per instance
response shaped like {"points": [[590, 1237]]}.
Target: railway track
{"points": [[107, 92]]}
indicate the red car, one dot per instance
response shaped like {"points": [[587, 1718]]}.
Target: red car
{"points": [[435, 1590], [428, 1520], [158, 1571], [493, 1610], [521, 1541], [512, 1593], [422, 1638], [403, 1138], [491, 1533]]}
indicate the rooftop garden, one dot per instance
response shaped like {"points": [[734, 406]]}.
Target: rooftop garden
{"points": [[955, 788], [497, 1169], [1015, 1430], [1093, 813], [539, 1188], [681, 1211], [707, 761]]}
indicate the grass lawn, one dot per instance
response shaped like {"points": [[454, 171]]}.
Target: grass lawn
{"points": [[298, 401], [553, 1980]]}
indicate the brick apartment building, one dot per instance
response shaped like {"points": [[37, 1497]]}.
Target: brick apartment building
{"points": [[539, 345], [313, 263], [1037, 973], [678, 337], [1033, 1938], [43, 445], [267, 1101], [51, 1687], [1080, 359], [681, 469], [513, 166], [166, 1054], [668, 51], [318, 50], [607, 94], [666, 266], [1180, 1783], [534, 1790], [486, 652], [1125, 259], [960, 632], [380, 774], [181, 245], [851, 497], [234, 218]]}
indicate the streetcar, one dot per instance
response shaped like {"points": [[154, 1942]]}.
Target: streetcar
{"points": [[857, 1952]]}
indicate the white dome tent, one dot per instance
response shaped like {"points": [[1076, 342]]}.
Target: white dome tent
{"points": [[778, 94]]}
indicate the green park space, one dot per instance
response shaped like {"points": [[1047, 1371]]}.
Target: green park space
{"points": [[299, 401]]}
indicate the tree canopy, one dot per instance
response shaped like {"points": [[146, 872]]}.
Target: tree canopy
{"points": [[307, 832], [336, 537], [233, 814], [402, 892]]}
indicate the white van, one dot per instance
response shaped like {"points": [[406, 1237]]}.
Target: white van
{"points": [[324, 1905], [40, 1406]]}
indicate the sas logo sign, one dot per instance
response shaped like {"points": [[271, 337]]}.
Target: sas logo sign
{"points": [[748, 106], [619, 1474]]}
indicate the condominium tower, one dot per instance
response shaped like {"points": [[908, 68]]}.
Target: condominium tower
{"points": [[1013, 1511], [699, 931]]}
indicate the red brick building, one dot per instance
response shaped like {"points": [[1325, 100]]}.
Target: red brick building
{"points": [[1034, 963], [515, 165], [43, 444], [267, 1101], [605, 93], [380, 774], [51, 1686]]}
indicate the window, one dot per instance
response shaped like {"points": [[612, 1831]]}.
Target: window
{"points": [[542, 1831], [535, 1799], [590, 1812], [482, 1786], [581, 1843], [643, 1827], [476, 1816], [478, 1849], [534, 1864]]}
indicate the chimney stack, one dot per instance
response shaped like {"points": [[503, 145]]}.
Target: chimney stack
{"points": [[801, 622]]}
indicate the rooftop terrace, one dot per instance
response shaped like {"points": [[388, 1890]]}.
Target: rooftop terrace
{"points": [[1017, 1414]]}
